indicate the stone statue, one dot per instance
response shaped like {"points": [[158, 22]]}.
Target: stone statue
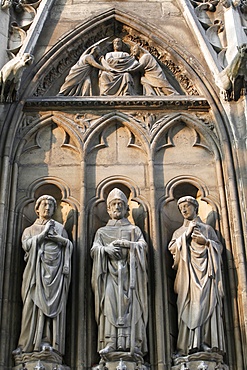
{"points": [[79, 80], [10, 76], [196, 252], [117, 81], [45, 283], [154, 81], [234, 77], [119, 281]]}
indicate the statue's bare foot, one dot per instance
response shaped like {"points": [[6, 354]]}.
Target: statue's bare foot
{"points": [[178, 354], [46, 347], [206, 348], [106, 350], [138, 351], [17, 351]]}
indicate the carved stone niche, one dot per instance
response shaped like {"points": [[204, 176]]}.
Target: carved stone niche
{"points": [[47, 358], [122, 357], [188, 353]]}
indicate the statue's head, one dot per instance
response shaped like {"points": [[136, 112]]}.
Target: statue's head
{"points": [[96, 51], [117, 204], [45, 206], [27, 59], [117, 44], [136, 50], [188, 206]]}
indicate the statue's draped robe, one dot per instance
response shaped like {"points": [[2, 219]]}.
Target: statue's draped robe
{"points": [[154, 80], [198, 285], [105, 282], [44, 289], [118, 81], [78, 82]]}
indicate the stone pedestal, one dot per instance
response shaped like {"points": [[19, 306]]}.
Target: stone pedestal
{"points": [[44, 360], [200, 361], [121, 361]]}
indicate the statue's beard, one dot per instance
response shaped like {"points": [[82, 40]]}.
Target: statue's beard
{"points": [[116, 215]]}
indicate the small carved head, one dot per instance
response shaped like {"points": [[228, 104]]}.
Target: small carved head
{"points": [[187, 200], [27, 59], [242, 50], [45, 199], [96, 51], [243, 7], [117, 204], [117, 44]]}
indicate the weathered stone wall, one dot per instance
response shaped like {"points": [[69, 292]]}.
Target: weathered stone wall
{"points": [[154, 149]]}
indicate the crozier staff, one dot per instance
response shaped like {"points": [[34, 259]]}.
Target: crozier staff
{"points": [[119, 281]]}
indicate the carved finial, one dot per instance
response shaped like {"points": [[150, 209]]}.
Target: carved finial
{"points": [[24, 366], [184, 366], [202, 366], [39, 366], [121, 365]]}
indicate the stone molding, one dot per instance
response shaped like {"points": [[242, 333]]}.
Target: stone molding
{"points": [[178, 102]]}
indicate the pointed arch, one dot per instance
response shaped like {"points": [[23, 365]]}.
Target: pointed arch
{"points": [[105, 121], [44, 121], [191, 121]]}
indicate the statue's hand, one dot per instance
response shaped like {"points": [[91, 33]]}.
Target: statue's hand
{"points": [[122, 243], [198, 237], [110, 60], [56, 238], [114, 251], [48, 225], [190, 229], [43, 235], [66, 270]]}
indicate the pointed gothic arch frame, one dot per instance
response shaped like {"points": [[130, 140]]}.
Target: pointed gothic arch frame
{"points": [[53, 64], [39, 70]]}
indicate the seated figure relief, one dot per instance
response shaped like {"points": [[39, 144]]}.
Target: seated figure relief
{"points": [[116, 73]]}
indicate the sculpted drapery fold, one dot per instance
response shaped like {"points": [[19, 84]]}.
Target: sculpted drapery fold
{"points": [[119, 282], [199, 286], [105, 284], [46, 281]]}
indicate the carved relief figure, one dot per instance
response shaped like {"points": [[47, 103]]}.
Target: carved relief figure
{"points": [[10, 76], [119, 73], [45, 283], [197, 258], [154, 81], [117, 80], [79, 80], [119, 281]]}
